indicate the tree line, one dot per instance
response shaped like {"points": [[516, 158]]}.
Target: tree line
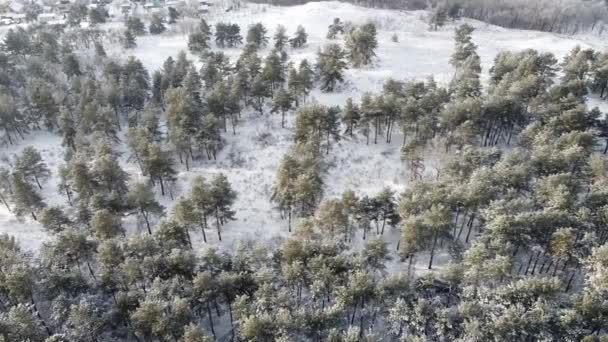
{"points": [[568, 17]]}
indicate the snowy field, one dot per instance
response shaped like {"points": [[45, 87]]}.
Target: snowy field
{"points": [[250, 158]]}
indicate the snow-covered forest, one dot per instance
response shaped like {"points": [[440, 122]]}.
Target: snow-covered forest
{"points": [[317, 172], [563, 16]]}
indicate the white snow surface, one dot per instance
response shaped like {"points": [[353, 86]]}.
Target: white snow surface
{"points": [[250, 158]]}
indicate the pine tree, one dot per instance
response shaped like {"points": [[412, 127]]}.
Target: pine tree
{"points": [[71, 66], [30, 166], [100, 51], [361, 44], [128, 40], [300, 38], [198, 41], [280, 38], [11, 119], [87, 320], [283, 102], [330, 125], [315, 123], [465, 47], [209, 137], [135, 26], [260, 90], [193, 333], [223, 198], [438, 17], [106, 225], [331, 218], [17, 42], [227, 35], [202, 203], [98, 15], [20, 324], [54, 220], [599, 74], [159, 166], [183, 119], [272, 72], [335, 28], [173, 15], [77, 178], [149, 319], [44, 105], [107, 174], [141, 199], [24, 197], [306, 78], [577, 64], [157, 24], [256, 36], [330, 66], [205, 291], [5, 187], [387, 209], [284, 187], [350, 116], [466, 81], [172, 234]]}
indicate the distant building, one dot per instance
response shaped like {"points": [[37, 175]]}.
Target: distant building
{"points": [[11, 18], [125, 8], [172, 3], [153, 4], [204, 6], [62, 6], [47, 17]]}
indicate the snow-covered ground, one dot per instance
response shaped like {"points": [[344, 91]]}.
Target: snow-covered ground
{"points": [[250, 157]]}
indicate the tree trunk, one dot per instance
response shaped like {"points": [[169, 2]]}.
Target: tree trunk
{"points": [[204, 235], [376, 132], [5, 203], [535, 263], [210, 319], [529, 262], [570, 281], [555, 268], [217, 221], [470, 228], [145, 215], [48, 330], [91, 270], [282, 119], [464, 220], [162, 186], [433, 251], [230, 313], [69, 194]]}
